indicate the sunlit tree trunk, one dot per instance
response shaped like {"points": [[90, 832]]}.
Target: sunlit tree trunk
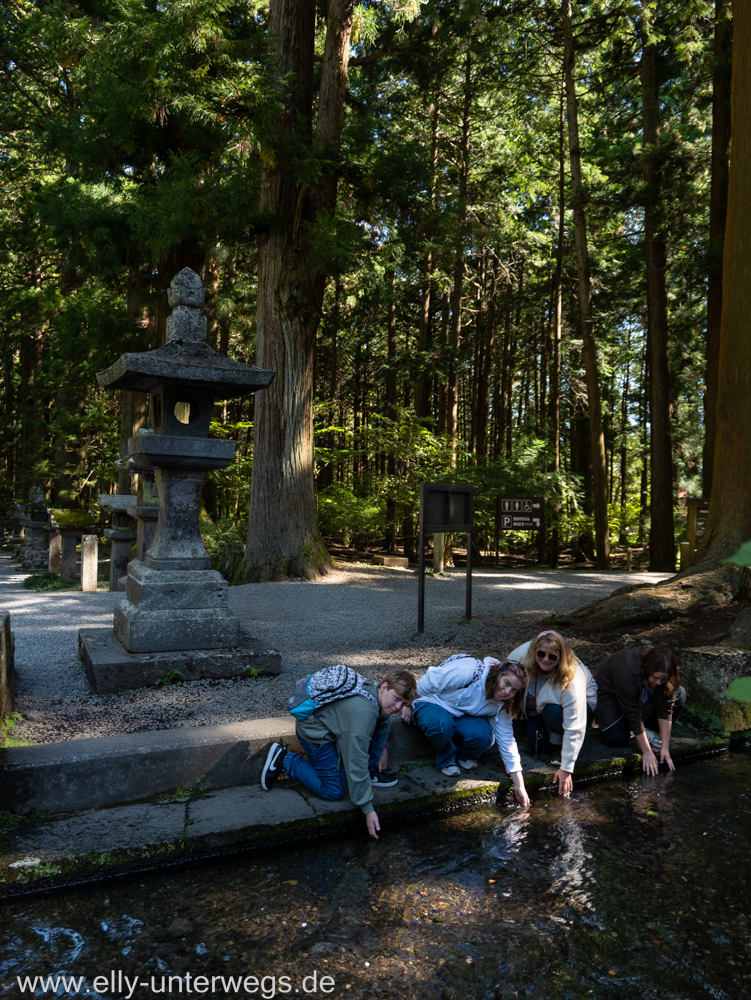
{"points": [[283, 537]]}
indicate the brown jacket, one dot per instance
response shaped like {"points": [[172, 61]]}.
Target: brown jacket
{"points": [[620, 690]]}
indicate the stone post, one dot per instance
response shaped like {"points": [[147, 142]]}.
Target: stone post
{"points": [[89, 562], [55, 564], [69, 561]]}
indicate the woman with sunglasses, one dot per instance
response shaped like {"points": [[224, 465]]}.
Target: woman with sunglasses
{"points": [[561, 699]]}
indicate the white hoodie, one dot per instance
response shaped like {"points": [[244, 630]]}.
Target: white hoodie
{"points": [[458, 686], [582, 691]]}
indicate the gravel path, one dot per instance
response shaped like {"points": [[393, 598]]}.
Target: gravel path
{"points": [[363, 615]]}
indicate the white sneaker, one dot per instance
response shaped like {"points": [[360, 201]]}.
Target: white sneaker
{"points": [[451, 771], [467, 763]]}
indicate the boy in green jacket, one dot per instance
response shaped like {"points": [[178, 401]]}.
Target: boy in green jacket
{"points": [[345, 745]]}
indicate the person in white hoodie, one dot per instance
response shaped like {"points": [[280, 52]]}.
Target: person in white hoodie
{"points": [[464, 706], [561, 698]]}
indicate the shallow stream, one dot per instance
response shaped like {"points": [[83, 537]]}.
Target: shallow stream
{"points": [[639, 890]]}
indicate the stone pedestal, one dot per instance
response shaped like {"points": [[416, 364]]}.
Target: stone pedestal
{"points": [[111, 668], [34, 554]]}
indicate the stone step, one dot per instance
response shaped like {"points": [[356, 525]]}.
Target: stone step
{"points": [[111, 770]]}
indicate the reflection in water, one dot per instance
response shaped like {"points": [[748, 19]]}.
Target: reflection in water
{"points": [[626, 890]]}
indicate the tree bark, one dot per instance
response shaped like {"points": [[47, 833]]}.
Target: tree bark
{"points": [[718, 204], [729, 521], [452, 413], [283, 537], [661, 534], [597, 437]]}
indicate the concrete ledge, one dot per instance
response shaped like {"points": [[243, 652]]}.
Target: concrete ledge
{"points": [[111, 668], [108, 770], [67, 851], [401, 561]]}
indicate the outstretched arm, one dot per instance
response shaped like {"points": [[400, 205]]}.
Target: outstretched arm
{"points": [[371, 821]]}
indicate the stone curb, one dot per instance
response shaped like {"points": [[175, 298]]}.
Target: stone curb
{"points": [[70, 851], [74, 775]]}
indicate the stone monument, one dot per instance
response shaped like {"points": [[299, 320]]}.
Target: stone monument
{"points": [[175, 615]]}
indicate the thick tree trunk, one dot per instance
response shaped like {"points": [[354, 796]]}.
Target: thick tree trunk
{"points": [[729, 522], [452, 412], [718, 204], [557, 333], [597, 437], [283, 537], [661, 534]]}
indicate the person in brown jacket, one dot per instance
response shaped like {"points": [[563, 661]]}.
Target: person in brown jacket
{"points": [[638, 685]]}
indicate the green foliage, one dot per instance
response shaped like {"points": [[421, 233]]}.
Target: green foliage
{"points": [[8, 727], [173, 678], [742, 557], [50, 581], [740, 689]]}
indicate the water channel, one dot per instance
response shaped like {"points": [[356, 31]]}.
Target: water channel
{"points": [[630, 889]]}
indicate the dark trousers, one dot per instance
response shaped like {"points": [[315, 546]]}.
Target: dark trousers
{"points": [[550, 720], [619, 733]]}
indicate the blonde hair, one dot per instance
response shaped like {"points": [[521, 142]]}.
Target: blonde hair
{"points": [[403, 682], [565, 668]]}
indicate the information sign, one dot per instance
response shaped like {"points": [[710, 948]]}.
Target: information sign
{"points": [[520, 514]]}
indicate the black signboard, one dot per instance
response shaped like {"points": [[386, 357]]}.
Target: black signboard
{"points": [[444, 507], [520, 514]]}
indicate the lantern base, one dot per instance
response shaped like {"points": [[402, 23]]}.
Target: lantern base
{"points": [[111, 668]]}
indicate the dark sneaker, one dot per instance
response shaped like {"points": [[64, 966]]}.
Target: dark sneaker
{"points": [[273, 766], [383, 779], [555, 760]]}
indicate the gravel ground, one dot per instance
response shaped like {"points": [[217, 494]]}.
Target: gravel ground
{"points": [[362, 615]]}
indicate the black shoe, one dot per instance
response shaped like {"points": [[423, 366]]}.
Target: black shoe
{"points": [[383, 779], [273, 766]]}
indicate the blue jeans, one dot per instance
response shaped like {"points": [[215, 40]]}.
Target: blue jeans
{"points": [[550, 723], [465, 736], [619, 733], [323, 771]]}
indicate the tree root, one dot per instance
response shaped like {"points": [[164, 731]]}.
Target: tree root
{"points": [[633, 604]]}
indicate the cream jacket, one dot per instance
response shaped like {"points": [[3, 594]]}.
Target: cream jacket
{"points": [[582, 691]]}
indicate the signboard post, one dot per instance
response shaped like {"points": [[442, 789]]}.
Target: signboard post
{"points": [[444, 507], [519, 514]]}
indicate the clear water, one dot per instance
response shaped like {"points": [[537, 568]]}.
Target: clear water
{"points": [[638, 890]]}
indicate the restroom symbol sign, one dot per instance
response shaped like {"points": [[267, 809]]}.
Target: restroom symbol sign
{"points": [[520, 513]]}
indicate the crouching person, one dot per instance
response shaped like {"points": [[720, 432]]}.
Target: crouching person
{"points": [[464, 706], [343, 723]]}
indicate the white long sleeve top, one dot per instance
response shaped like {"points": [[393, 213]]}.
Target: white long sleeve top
{"points": [[458, 686], [582, 691]]}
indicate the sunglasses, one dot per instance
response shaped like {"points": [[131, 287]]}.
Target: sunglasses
{"points": [[546, 657]]}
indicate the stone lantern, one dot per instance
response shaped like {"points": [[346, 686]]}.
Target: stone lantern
{"points": [[176, 604]]}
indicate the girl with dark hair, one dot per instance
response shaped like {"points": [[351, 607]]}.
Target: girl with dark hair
{"points": [[561, 696], [638, 687], [464, 706]]}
